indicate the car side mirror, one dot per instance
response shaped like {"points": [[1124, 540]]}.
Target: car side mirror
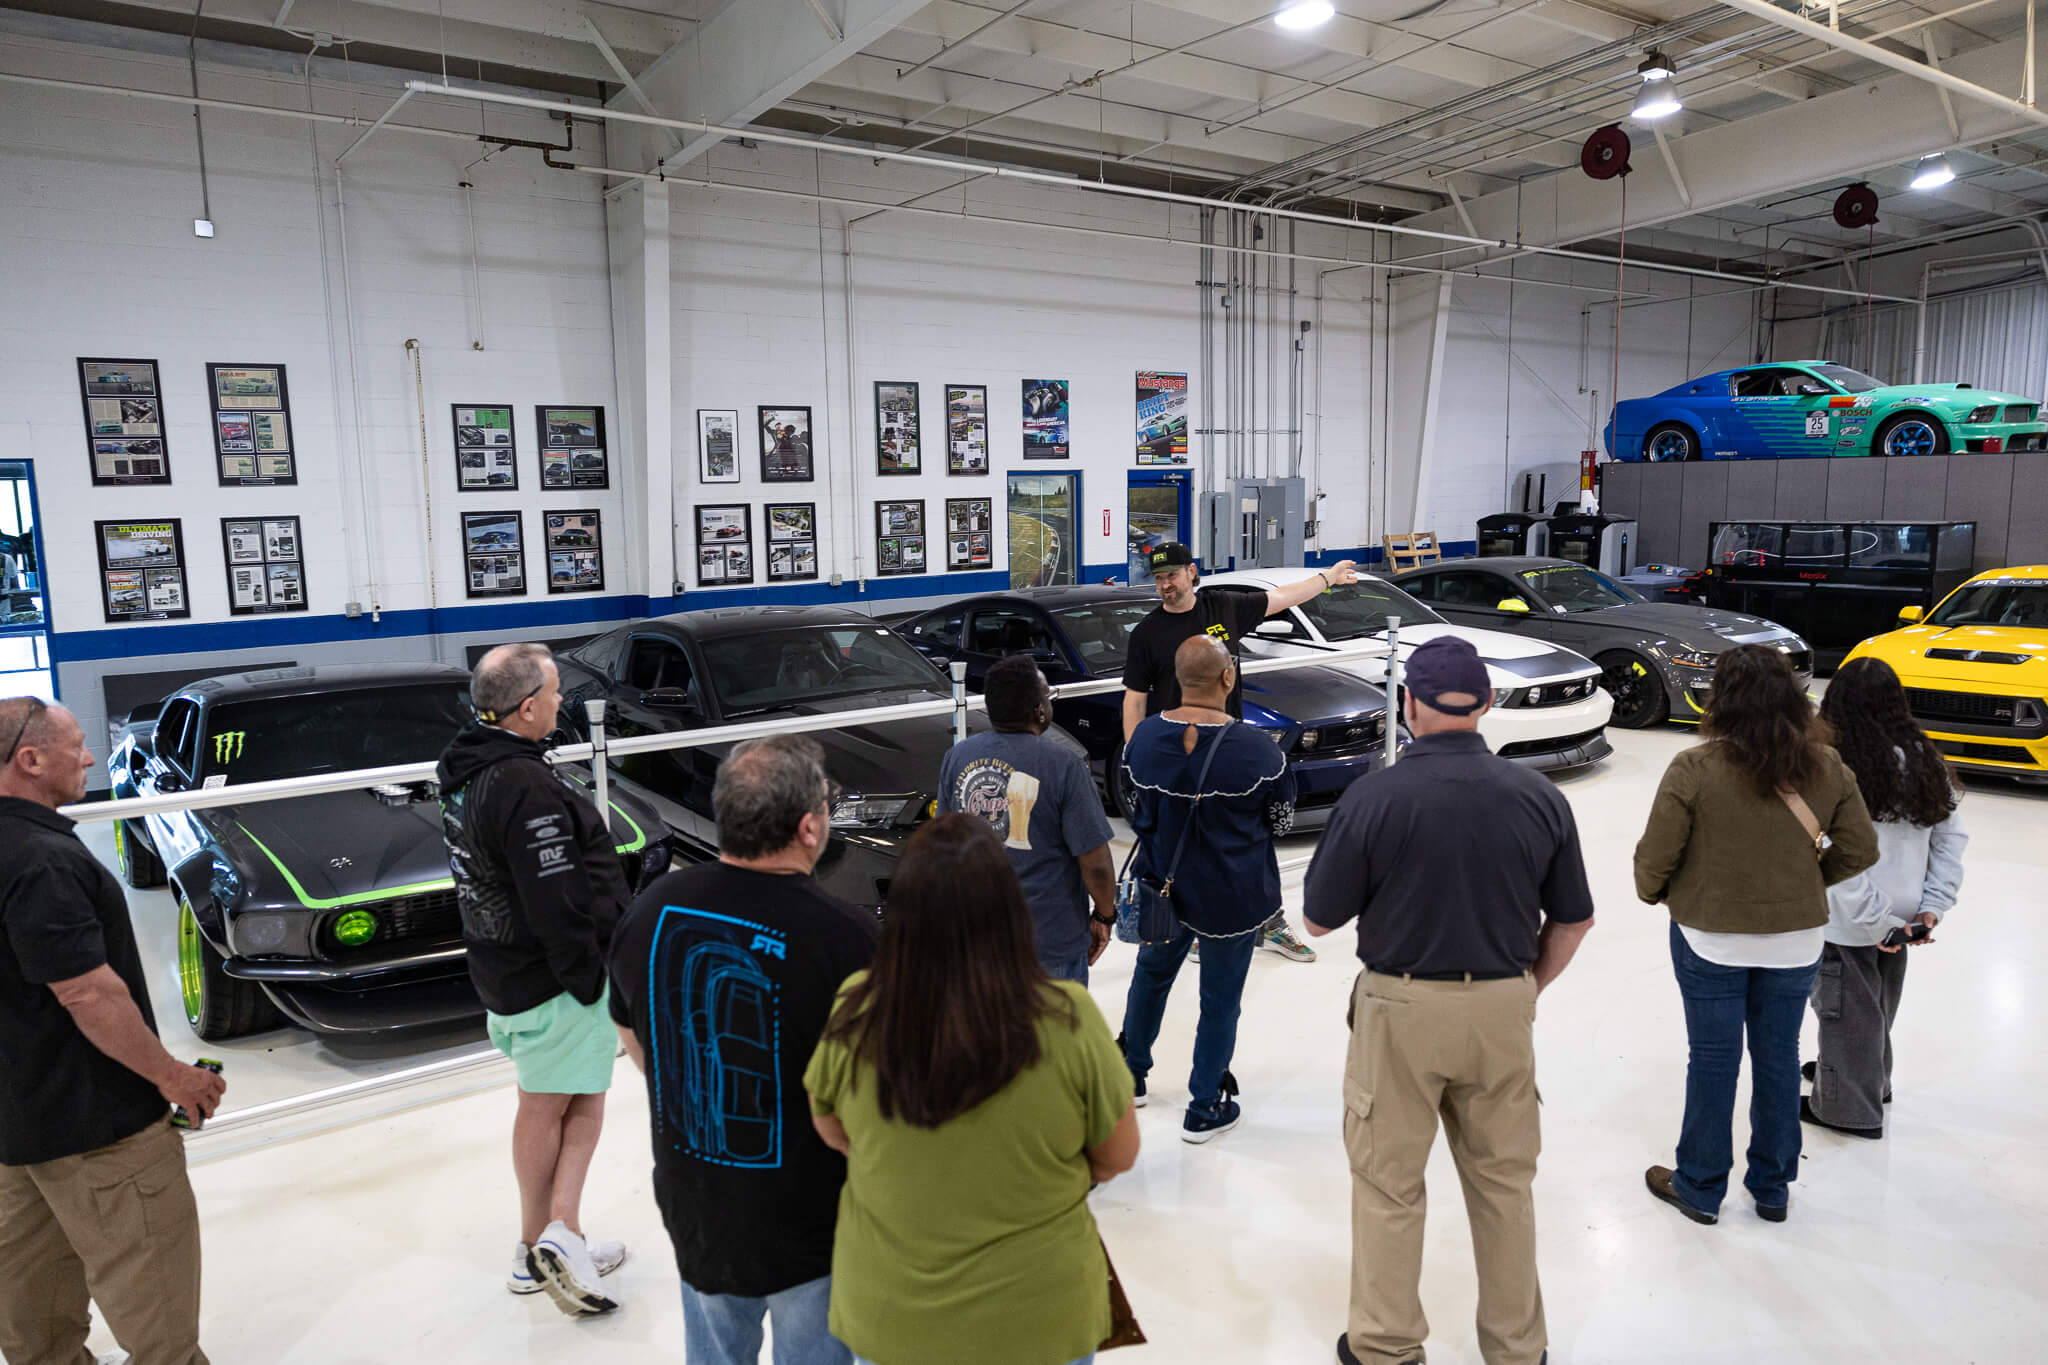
{"points": [[1909, 615], [1812, 390], [170, 780], [1276, 628], [670, 699], [1512, 604]]}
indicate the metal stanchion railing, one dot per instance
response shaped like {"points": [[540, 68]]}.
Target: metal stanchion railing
{"points": [[959, 672], [600, 769]]}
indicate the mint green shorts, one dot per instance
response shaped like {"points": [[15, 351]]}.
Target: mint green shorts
{"points": [[560, 1047]]}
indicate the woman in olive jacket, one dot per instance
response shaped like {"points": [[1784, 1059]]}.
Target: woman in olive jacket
{"points": [[1734, 849]]}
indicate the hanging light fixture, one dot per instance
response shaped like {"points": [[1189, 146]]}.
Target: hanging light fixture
{"points": [[1299, 16], [1659, 96], [1933, 172]]}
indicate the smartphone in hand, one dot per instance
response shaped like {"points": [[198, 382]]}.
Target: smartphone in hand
{"points": [[1913, 933]]}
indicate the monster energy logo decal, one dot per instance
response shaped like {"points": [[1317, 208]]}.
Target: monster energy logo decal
{"points": [[227, 745]]}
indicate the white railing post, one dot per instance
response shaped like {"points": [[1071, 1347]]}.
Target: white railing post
{"points": [[1393, 689], [600, 771], [959, 668]]}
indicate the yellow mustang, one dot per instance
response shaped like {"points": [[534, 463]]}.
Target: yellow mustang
{"points": [[1976, 671]]}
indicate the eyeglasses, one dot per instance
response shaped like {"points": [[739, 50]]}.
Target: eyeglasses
{"points": [[36, 707], [493, 717]]}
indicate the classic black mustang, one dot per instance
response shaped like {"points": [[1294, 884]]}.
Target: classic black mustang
{"points": [[337, 910], [731, 664]]}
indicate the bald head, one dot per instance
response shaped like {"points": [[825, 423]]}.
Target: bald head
{"points": [[516, 688], [1202, 666], [44, 753]]}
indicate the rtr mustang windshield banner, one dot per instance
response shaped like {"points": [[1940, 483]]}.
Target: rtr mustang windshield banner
{"points": [[1162, 418]]}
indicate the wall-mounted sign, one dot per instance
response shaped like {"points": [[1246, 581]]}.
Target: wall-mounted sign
{"points": [[572, 448], [899, 537], [725, 545], [493, 553], [1045, 420], [786, 445], [266, 564], [124, 421], [252, 425], [486, 453], [142, 570], [896, 429], [970, 531], [718, 445], [1162, 417], [966, 429], [575, 549], [792, 541]]}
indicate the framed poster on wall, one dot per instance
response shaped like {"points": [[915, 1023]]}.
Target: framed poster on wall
{"points": [[486, 454], [252, 425], [572, 448], [966, 429], [792, 541], [1045, 420], [896, 429], [725, 544], [124, 421], [142, 570], [1162, 417], [266, 564], [718, 445], [493, 553], [970, 527], [899, 537], [575, 550], [786, 445]]}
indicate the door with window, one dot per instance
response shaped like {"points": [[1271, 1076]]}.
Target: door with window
{"points": [[1045, 530], [24, 616], [1156, 513]]}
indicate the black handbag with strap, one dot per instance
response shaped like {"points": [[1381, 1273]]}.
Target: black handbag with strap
{"points": [[1144, 903]]}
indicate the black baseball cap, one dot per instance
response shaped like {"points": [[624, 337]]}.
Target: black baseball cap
{"points": [[1171, 555], [1445, 665]]}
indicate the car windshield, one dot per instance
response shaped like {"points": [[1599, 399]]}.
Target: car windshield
{"points": [[1352, 611], [1101, 631], [1576, 588], [331, 732], [779, 668], [1850, 381], [2022, 603]]}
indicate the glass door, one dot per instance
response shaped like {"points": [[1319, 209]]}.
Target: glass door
{"points": [[1045, 533], [1157, 512], [24, 616]]}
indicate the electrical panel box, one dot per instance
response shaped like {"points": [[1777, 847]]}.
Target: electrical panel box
{"points": [[1267, 519]]}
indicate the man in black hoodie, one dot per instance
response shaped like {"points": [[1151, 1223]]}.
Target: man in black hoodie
{"points": [[541, 890]]}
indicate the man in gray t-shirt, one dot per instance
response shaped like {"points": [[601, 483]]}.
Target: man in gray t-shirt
{"points": [[1039, 797]]}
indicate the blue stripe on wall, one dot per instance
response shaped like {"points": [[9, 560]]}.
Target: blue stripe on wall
{"points": [[269, 632]]}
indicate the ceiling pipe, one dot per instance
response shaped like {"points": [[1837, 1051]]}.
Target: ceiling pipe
{"points": [[954, 164], [1884, 56]]}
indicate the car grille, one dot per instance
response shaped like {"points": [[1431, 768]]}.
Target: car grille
{"points": [[1341, 739], [1977, 656], [2019, 412], [430, 915], [1558, 694], [1993, 753], [1932, 706], [1546, 746]]}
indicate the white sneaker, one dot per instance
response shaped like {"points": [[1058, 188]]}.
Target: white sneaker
{"points": [[1283, 942], [523, 1280], [117, 1358], [568, 1273], [607, 1256]]}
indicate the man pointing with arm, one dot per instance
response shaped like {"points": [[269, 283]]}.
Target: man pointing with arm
{"points": [[1186, 610]]}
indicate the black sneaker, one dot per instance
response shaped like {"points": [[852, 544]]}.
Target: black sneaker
{"points": [[1346, 1356], [1206, 1121]]}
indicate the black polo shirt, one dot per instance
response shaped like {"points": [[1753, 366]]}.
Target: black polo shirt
{"points": [[61, 915], [1450, 860]]}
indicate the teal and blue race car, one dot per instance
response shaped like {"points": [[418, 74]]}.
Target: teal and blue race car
{"points": [[1804, 408]]}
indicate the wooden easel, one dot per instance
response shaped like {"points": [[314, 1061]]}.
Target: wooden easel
{"points": [[1410, 549]]}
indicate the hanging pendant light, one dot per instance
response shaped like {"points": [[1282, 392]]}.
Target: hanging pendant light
{"points": [[1933, 172], [1658, 98]]}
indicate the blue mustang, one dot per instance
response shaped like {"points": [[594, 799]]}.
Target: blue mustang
{"points": [[1805, 408]]}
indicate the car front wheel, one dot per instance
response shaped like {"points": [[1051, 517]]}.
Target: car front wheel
{"points": [[1118, 791], [1911, 434], [216, 1005], [1637, 688], [140, 867], [1671, 442]]}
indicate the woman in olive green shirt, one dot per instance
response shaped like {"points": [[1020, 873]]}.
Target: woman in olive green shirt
{"points": [[976, 1101]]}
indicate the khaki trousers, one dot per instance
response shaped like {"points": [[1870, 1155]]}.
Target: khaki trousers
{"points": [[117, 1225], [1463, 1052]]}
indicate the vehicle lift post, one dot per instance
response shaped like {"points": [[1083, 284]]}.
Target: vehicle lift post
{"points": [[959, 667], [600, 774]]}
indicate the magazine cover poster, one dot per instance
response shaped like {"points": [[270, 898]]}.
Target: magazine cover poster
{"points": [[1045, 420], [896, 428], [1162, 417], [966, 429]]}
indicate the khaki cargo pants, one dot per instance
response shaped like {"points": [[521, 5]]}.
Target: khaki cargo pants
{"points": [[118, 1225], [1462, 1051]]}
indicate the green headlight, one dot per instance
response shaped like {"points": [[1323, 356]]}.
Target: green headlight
{"points": [[355, 928]]}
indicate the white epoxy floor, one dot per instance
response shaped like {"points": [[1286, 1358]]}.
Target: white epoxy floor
{"points": [[385, 1241]]}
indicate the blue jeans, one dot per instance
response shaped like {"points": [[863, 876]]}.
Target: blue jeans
{"points": [[1721, 1004], [1075, 971], [1225, 962], [1088, 1359], [725, 1329]]}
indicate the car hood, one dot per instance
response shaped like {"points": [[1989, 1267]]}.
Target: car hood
{"points": [[1699, 627], [327, 850], [894, 756], [1313, 695], [1513, 660], [1946, 395], [2001, 657]]}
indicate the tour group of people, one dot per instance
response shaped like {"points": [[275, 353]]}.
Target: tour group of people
{"points": [[880, 1136]]}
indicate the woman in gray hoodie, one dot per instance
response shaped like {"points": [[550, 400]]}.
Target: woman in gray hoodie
{"points": [[1912, 798]]}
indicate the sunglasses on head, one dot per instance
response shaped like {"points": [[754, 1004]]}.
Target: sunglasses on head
{"points": [[36, 707]]}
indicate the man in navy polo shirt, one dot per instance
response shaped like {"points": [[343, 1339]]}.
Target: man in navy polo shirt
{"points": [[1456, 948]]}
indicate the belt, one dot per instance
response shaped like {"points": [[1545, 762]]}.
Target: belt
{"points": [[1449, 976]]}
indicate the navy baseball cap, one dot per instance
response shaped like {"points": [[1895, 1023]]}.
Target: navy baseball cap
{"points": [[1171, 555], [1448, 665]]}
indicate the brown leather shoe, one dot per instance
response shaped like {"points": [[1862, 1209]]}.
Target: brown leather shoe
{"points": [[1658, 1178]]}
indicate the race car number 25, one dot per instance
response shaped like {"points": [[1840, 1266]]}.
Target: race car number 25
{"points": [[1816, 424]]}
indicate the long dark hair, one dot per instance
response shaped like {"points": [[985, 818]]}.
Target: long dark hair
{"points": [[1763, 721], [1866, 707], [949, 1013]]}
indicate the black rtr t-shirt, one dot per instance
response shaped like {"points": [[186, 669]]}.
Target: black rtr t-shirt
{"points": [[1228, 614], [727, 976], [1450, 860], [61, 915]]}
